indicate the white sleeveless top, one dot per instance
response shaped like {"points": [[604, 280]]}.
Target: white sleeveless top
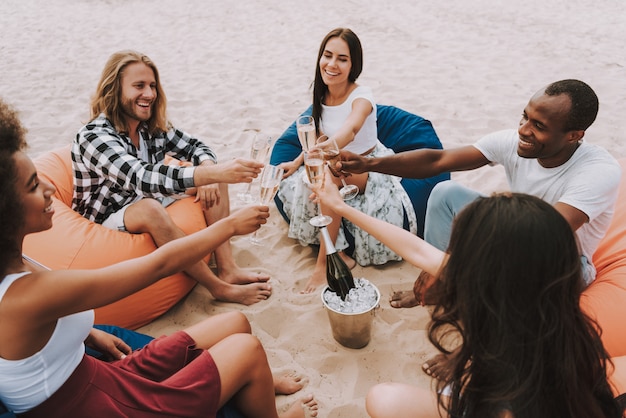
{"points": [[26, 383], [333, 117]]}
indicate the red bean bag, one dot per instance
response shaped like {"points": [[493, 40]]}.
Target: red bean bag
{"points": [[74, 242], [605, 298]]}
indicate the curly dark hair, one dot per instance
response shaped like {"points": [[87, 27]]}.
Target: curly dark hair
{"points": [[584, 103], [12, 140], [510, 295]]}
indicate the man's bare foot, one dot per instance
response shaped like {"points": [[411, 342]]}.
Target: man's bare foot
{"points": [[288, 383], [246, 294], [304, 408], [403, 299], [425, 291], [238, 275], [435, 367]]}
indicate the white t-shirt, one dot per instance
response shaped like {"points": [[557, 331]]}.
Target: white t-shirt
{"points": [[588, 181], [333, 118], [28, 382]]}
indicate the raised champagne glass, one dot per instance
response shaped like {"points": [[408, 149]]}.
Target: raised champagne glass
{"points": [[259, 151], [314, 165], [331, 155], [270, 180], [305, 126]]}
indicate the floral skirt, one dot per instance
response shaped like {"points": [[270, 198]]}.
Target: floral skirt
{"points": [[384, 199]]}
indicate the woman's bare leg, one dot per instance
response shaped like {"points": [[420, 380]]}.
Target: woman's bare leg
{"points": [[210, 331], [214, 329], [247, 379], [318, 278]]}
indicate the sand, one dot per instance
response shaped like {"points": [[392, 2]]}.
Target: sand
{"points": [[469, 66]]}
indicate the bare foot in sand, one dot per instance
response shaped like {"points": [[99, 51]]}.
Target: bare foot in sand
{"points": [[318, 278], [435, 367], [403, 299], [425, 292], [237, 275], [288, 383], [305, 407], [246, 294]]}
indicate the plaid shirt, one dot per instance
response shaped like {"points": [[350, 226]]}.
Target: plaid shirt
{"points": [[109, 174]]}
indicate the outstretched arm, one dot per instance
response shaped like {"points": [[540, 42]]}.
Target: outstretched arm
{"points": [[238, 170], [421, 163], [410, 247], [105, 156], [45, 296], [361, 108]]}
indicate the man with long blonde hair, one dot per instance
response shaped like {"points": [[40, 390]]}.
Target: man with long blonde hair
{"points": [[121, 180]]}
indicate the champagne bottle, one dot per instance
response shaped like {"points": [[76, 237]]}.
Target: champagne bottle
{"points": [[338, 275]]}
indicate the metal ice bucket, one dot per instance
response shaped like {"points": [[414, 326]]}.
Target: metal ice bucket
{"points": [[352, 330]]}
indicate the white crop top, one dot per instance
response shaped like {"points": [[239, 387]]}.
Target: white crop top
{"points": [[26, 383], [333, 117]]}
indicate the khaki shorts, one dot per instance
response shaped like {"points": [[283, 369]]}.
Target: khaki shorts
{"points": [[115, 220]]}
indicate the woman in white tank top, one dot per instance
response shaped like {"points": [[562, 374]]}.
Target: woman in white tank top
{"points": [[345, 111], [46, 315]]}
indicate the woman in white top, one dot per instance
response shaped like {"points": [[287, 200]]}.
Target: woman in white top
{"points": [[346, 112], [46, 316]]}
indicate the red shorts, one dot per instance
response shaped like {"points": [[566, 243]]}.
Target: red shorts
{"points": [[168, 377]]}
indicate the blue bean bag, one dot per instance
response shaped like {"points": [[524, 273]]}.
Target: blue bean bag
{"points": [[398, 130]]}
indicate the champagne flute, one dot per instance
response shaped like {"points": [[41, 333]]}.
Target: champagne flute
{"points": [[259, 151], [314, 165], [270, 180], [331, 154], [305, 126]]}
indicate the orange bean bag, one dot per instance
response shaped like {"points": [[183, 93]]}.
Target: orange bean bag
{"points": [[77, 243], [617, 376], [605, 298]]}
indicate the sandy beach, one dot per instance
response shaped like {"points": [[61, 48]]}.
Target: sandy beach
{"points": [[230, 67]]}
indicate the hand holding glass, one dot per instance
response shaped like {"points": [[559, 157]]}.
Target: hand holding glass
{"points": [[331, 154], [259, 151], [314, 165], [270, 180]]}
